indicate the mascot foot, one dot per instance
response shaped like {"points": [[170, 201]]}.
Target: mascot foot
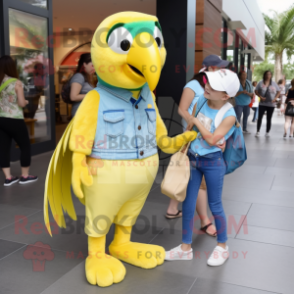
{"points": [[142, 255], [104, 270]]}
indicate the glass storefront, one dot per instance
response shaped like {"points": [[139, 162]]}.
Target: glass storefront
{"points": [[28, 46], [230, 46], [37, 3], [233, 46], [27, 36]]}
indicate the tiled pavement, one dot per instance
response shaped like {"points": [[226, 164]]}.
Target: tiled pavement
{"points": [[259, 203]]}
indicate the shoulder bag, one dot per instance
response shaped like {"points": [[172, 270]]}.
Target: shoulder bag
{"points": [[177, 175]]}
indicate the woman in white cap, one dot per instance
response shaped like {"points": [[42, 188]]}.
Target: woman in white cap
{"points": [[206, 159], [192, 91]]}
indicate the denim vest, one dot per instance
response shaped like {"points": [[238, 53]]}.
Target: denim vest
{"points": [[126, 127]]}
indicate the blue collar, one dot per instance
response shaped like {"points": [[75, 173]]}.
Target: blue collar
{"points": [[126, 95]]}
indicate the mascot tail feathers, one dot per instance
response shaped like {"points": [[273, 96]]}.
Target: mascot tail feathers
{"points": [[58, 183]]}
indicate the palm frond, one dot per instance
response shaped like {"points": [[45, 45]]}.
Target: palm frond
{"points": [[286, 27], [290, 53], [280, 36], [269, 22]]}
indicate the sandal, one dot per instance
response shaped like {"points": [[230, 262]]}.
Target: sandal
{"points": [[173, 216], [204, 229]]}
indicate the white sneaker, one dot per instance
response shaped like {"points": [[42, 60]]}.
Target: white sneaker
{"points": [[219, 256], [257, 134], [178, 254], [267, 134], [246, 132]]}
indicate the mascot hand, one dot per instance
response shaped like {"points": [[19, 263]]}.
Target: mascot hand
{"points": [[81, 174], [189, 136]]}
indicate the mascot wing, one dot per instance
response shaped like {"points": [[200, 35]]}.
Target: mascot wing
{"points": [[58, 182], [59, 175]]}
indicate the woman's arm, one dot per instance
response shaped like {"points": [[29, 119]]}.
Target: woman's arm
{"points": [[21, 101], [219, 133], [75, 90], [277, 96], [249, 94], [239, 93], [186, 100], [261, 98]]}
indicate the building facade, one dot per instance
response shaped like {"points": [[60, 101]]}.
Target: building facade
{"points": [[192, 29]]}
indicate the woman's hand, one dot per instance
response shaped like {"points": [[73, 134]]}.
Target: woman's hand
{"points": [[190, 123], [262, 98], [223, 145]]}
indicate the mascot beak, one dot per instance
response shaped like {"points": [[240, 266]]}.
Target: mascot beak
{"points": [[144, 59]]}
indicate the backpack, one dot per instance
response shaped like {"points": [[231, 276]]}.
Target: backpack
{"points": [[235, 153], [65, 92]]}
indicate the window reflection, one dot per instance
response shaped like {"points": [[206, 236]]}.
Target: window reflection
{"points": [[28, 46], [37, 3]]}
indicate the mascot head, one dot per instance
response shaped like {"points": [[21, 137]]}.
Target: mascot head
{"points": [[128, 51]]}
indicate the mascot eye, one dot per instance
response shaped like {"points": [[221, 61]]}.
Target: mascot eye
{"points": [[120, 40], [125, 45], [158, 41], [157, 35]]}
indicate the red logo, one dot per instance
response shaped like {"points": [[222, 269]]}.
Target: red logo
{"points": [[38, 253]]}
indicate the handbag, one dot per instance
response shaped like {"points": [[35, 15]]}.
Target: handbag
{"points": [[177, 175], [252, 101], [289, 110]]}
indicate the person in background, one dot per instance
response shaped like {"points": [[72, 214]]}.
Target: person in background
{"points": [[289, 120], [268, 92], [40, 81], [282, 97], [12, 125], [243, 99], [191, 93], [255, 103], [81, 83], [206, 159]]}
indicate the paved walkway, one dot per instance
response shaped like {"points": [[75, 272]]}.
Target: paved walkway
{"points": [[259, 203]]}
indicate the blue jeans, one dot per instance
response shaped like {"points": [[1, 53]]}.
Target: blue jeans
{"points": [[212, 166], [255, 117], [245, 109]]}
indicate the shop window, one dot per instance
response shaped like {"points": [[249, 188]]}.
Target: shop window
{"points": [[230, 47], [28, 46], [37, 3]]}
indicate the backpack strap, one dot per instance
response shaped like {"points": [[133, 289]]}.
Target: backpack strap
{"points": [[220, 114], [198, 108], [196, 111], [4, 85]]}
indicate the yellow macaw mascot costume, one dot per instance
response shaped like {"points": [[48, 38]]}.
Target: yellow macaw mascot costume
{"points": [[108, 152]]}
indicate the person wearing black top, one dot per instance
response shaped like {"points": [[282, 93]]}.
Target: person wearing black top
{"points": [[289, 120]]}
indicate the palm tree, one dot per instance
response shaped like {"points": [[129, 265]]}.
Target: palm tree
{"points": [[280, 38]]}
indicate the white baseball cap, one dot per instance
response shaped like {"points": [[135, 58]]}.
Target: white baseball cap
{"points": [[224, 80]]}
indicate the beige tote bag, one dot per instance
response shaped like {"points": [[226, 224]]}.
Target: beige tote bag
{"points": [[176, 178]]}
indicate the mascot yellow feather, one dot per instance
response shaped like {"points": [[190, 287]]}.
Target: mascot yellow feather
{"points": [[108, 152]]}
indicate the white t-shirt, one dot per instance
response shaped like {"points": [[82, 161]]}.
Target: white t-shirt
{"points": [[256, 102]]}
